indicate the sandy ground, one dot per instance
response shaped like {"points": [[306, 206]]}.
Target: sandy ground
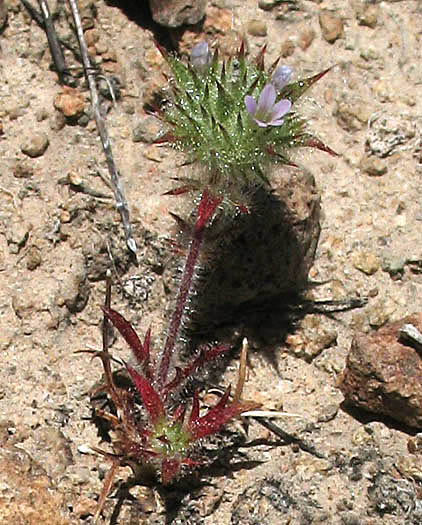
{"points": [[56, 242]]}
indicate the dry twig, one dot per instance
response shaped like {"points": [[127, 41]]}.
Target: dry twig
{"points": [[119, 196]]}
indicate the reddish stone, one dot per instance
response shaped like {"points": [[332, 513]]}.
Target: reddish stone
{"points": [[384, 376], [69, 102]]}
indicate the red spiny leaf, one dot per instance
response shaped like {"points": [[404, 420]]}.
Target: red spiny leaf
{"points": [[296, 89], [168, 137], [150, 398], [313, 142], [176, 247], [260, 58], [180, 190], [190, 462], [147, 342], [170, 469], [205, 354], [147, 352], [217, 417], [195, 408], [244, 209], [282, 158], [183, 225], [207, 207], [241, 52], [179, 413], [178, 378], [273, 66], [128, 334], [160, 49]]}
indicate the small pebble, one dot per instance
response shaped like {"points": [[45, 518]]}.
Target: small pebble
{"points": [[369, 16], [35, 144], [33, 258], [393, 264], [175, 13], [41, 114], [267, 5], [287, 48], [331, 25], [353, 114], [17, 233], [366, 262], [378, 314], [69, 102], [306, 37], [257, 28], [147, 130], [373, 166], [23, 170], [154, 153]]}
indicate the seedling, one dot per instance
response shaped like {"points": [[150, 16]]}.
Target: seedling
{"points": [[233, 120]]}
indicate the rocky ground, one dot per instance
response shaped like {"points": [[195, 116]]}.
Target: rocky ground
{"points": [[60, 232]]}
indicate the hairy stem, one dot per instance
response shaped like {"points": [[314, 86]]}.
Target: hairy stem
{"points": [[206, 208]]}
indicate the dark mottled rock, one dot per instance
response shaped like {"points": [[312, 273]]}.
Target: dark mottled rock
{"points": [[353, 113], [174, 13], [17, 233], [372, 165], [392, 496], [384, 376], [367, 15], [147, 130], [267, 5]]}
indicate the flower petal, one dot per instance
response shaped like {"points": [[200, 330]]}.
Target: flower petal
{"points": [[251, 105], [261, 123], [280, 109], [277, 122], [266, 99]]}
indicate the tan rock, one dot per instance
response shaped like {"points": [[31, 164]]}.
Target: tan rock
{"points": [[331, 25]]}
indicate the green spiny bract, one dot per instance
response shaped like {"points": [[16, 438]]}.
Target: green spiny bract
{"points": [[211, 123]]}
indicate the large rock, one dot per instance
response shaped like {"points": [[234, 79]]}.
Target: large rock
{"points": [[174, 13], [384, 375]]}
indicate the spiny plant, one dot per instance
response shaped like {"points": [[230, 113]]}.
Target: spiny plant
{"points": [[150, 421], [234, 119]]}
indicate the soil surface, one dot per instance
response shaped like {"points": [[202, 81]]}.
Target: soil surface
{"points": [[60, 232]]}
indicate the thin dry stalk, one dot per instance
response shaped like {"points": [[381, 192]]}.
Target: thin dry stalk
{"points": [[241, 378], [117, 188]]}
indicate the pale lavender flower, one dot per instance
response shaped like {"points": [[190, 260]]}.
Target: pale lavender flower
{"points": [[200, 57], [266, 112], [281, 77]]}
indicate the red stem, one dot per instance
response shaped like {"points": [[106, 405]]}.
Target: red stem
{"points": [[179, 309], [206, 209]]}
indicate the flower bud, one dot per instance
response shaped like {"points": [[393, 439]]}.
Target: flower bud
{"points": [[281, 77], [200, 57]]}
